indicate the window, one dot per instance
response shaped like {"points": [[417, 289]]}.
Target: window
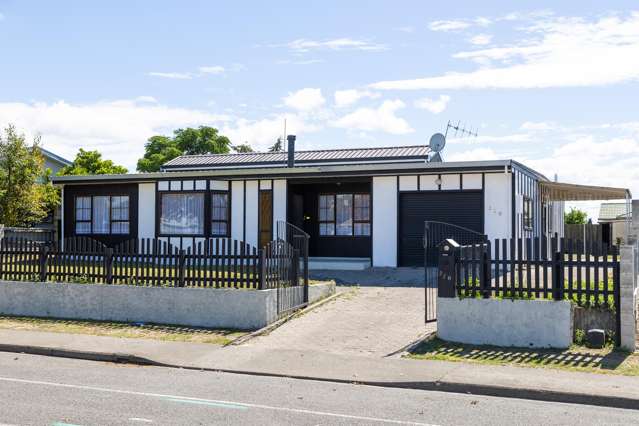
{"points": [[102, 215], [219, 214], [528, 213], [182, 214], [344, 215]]}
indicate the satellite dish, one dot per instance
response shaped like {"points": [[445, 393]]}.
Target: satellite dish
{"points": [[437, 142]]}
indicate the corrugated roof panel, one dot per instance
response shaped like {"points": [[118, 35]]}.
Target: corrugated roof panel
{"points": [[306, 157]]}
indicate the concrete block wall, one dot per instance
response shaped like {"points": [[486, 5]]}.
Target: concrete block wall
{"points": [[197, 307], [628, 297], [509, 323]]}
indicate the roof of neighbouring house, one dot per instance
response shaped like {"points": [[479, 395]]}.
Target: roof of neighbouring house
{"points": [[314, 157], [55, 158], [612, 211]]}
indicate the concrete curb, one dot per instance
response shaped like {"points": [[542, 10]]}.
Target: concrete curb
{"points": [[436, 385]]}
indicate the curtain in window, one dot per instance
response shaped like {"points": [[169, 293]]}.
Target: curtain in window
{"points": [[101, 207], [344, 214], [182, 214], [219, 214]]}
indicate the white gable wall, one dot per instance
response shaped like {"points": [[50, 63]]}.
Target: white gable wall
{"points": [[146, 210]]}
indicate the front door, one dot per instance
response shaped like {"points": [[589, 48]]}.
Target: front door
{"points": [[266, 217]]}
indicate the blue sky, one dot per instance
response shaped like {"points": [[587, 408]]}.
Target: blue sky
{"points": [[551, 84]]}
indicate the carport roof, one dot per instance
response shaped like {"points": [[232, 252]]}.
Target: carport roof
{"points": [[558, 191]]}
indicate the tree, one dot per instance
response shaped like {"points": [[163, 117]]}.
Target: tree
{"points": [[575, 217], [24, 198], [91, 163], [277, 146], [190, 141], [245, 147]]}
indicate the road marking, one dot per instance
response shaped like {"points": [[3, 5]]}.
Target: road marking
{"points": [[140, 419], [214, 401], [211, 403]]}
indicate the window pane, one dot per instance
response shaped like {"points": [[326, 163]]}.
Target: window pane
{"points": [[83, 228], [83, 208], [362, 229], [344, 214], [182, 214], [218, 228], [327, 208], [120, 208], [362, 207], [101, 214], [219, 210], [327, 229], [120, 227]]}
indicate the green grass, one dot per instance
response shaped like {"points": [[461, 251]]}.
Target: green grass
{"points": [[124, 330], [577, 358]]}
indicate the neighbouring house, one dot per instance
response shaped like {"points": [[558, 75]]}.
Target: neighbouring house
{"points": [[366, 206], [53, 161], [613, 218]]}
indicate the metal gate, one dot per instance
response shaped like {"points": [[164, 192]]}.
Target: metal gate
{"points": [[434, 233], [292, 294]]}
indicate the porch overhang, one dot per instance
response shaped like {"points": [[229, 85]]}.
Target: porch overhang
{"points": [[557, 191]]}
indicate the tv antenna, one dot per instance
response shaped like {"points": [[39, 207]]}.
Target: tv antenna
{"points": [[459, 129]]}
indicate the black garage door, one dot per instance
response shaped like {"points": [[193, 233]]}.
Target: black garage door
{"points": [[459, 208]]}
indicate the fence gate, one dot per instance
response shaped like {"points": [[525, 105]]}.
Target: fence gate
{"points": [[434, 233]]}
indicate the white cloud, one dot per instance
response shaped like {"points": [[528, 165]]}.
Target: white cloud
{"points": [[481, 39], [263, 133], [148, 99], [553, 52], [380, 119], [344, 98], [538, 125], [172, 75], [477, 154], [305, 99], [299, 62], [118, 129], [433, 105], [448, 25], [215, 69], [345, 43]]}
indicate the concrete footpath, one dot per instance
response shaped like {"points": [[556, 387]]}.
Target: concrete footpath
{"points": [[503, 381]]}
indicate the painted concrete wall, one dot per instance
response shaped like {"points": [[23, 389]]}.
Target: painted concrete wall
{"points": [[517, 323], [198, 307], [146, 210], [497, 211], [251, 212], [237, 210], [279, 202], [385, 221]]}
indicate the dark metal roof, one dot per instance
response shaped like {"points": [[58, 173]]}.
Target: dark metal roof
{"points": [[250, 159]]}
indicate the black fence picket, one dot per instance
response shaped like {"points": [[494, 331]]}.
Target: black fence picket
{"points": [[537, 268]]}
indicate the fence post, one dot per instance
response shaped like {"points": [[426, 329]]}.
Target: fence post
{"points": [[486, 272], [627, 315], [181, 267], [557, 276], [44, 254], [108, 264], [262, 269]]}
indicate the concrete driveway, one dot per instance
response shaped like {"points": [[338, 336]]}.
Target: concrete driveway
{"points": [[369, 320]]}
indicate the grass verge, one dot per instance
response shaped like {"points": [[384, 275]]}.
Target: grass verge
{"points": [[576, 358], [118, 329]]}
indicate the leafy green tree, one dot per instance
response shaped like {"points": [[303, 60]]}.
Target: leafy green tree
{"points": [[24, 198], [245, 147], [91, 163], [277, 146], [575, 217], [190, 141]]}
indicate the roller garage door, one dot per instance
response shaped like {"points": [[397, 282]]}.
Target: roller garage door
{"points": [[459, 208]]}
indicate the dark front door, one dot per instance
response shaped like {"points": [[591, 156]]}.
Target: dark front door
{"points": [[266, 217], [458, 208]]}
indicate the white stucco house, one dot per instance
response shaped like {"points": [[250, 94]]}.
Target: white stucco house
{"points": [[368, 204]]}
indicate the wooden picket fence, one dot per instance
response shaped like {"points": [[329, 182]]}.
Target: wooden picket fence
{"points": [[213, 263]]}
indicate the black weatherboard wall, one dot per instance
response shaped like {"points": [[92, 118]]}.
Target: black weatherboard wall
{"points": [[73, 191], [462, 208]]}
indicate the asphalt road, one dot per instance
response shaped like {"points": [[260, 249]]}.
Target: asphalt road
{"points": [[37, 390]]}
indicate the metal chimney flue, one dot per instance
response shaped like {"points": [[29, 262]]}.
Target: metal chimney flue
{"points": [[291, 150]]}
